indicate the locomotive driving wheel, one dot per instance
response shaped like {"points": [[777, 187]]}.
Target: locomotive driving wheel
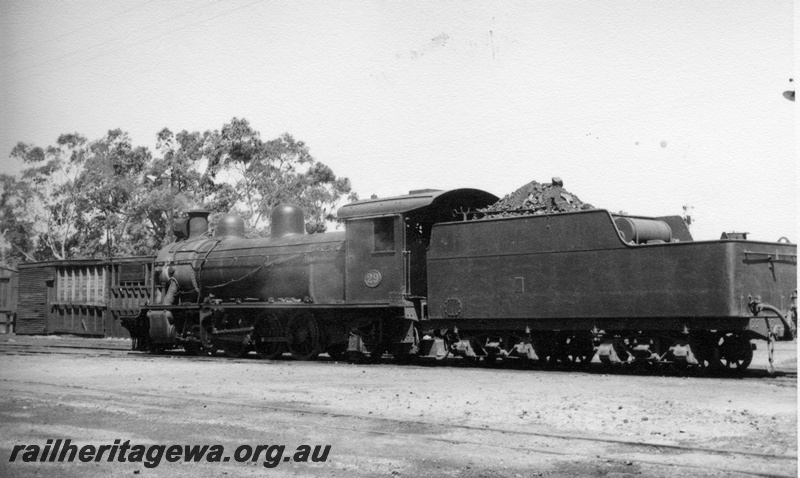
{"points": [[197, 344], [234, 348], [305, 338], [198, 349], [232, 345], [268, 340]]}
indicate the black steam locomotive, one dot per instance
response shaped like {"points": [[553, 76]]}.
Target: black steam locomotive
{"points": [[422, 275]]}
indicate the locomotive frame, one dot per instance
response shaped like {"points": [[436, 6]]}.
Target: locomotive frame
{"points": [[407, 277]]}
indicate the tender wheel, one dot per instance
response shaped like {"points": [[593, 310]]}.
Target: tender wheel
{"points": [[736, 352], [583, 357], [708, 354], [356, 357], [377, 351], [576, 349], [268, 339], [337, 351], [305, 339]]}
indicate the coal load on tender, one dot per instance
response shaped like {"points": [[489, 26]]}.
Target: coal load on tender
{"points": [[536, 198]]}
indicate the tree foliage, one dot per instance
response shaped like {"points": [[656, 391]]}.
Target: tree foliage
{"points": [[40, 208], [258, 175], [107, 197], [111, 188]]}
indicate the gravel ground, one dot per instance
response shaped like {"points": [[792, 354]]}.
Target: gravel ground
{"points": [[391, 420]]}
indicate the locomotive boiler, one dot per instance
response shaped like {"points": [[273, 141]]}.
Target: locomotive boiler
{"points": [[228, 267], [429, 275]]}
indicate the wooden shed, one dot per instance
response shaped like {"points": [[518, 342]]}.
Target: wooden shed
{"points": [[9, 280], [82, 296]]}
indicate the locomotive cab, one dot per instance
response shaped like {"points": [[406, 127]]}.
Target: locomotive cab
{"points": [[387, 239]]}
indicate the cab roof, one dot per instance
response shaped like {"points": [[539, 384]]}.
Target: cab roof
{"points": [[416, 201]]}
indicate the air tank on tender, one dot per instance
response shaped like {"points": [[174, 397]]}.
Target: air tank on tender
{"points": [[639, 230]]}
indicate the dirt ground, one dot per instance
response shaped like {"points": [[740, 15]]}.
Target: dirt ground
{"points": [[393, 420]]}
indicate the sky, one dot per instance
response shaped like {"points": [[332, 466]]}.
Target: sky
{"points": [[638, 106]]}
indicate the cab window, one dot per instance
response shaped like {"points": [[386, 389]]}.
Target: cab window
{"points": [[384, 234]]}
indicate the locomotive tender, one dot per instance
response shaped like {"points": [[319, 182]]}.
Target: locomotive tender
{"points": [[423, 275]]}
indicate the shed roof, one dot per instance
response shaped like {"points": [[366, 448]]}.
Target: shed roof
{"points": [[466, 198], [84, 262]]}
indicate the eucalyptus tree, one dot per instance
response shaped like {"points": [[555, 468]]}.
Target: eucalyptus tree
{"points": [[108, 197], [40, 208], [252, 176]]}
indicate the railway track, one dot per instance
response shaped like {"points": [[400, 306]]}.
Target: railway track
{"points": [[672, 455], [614, 450], [121, 348]]}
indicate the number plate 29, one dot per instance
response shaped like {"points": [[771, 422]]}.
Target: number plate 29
{"points": [[372, 278]]}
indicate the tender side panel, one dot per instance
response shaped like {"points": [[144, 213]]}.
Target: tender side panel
{"points": [[591, 230], [574, 266]]}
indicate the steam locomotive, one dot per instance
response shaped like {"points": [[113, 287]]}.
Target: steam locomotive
{"points": [[424, 275]]}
